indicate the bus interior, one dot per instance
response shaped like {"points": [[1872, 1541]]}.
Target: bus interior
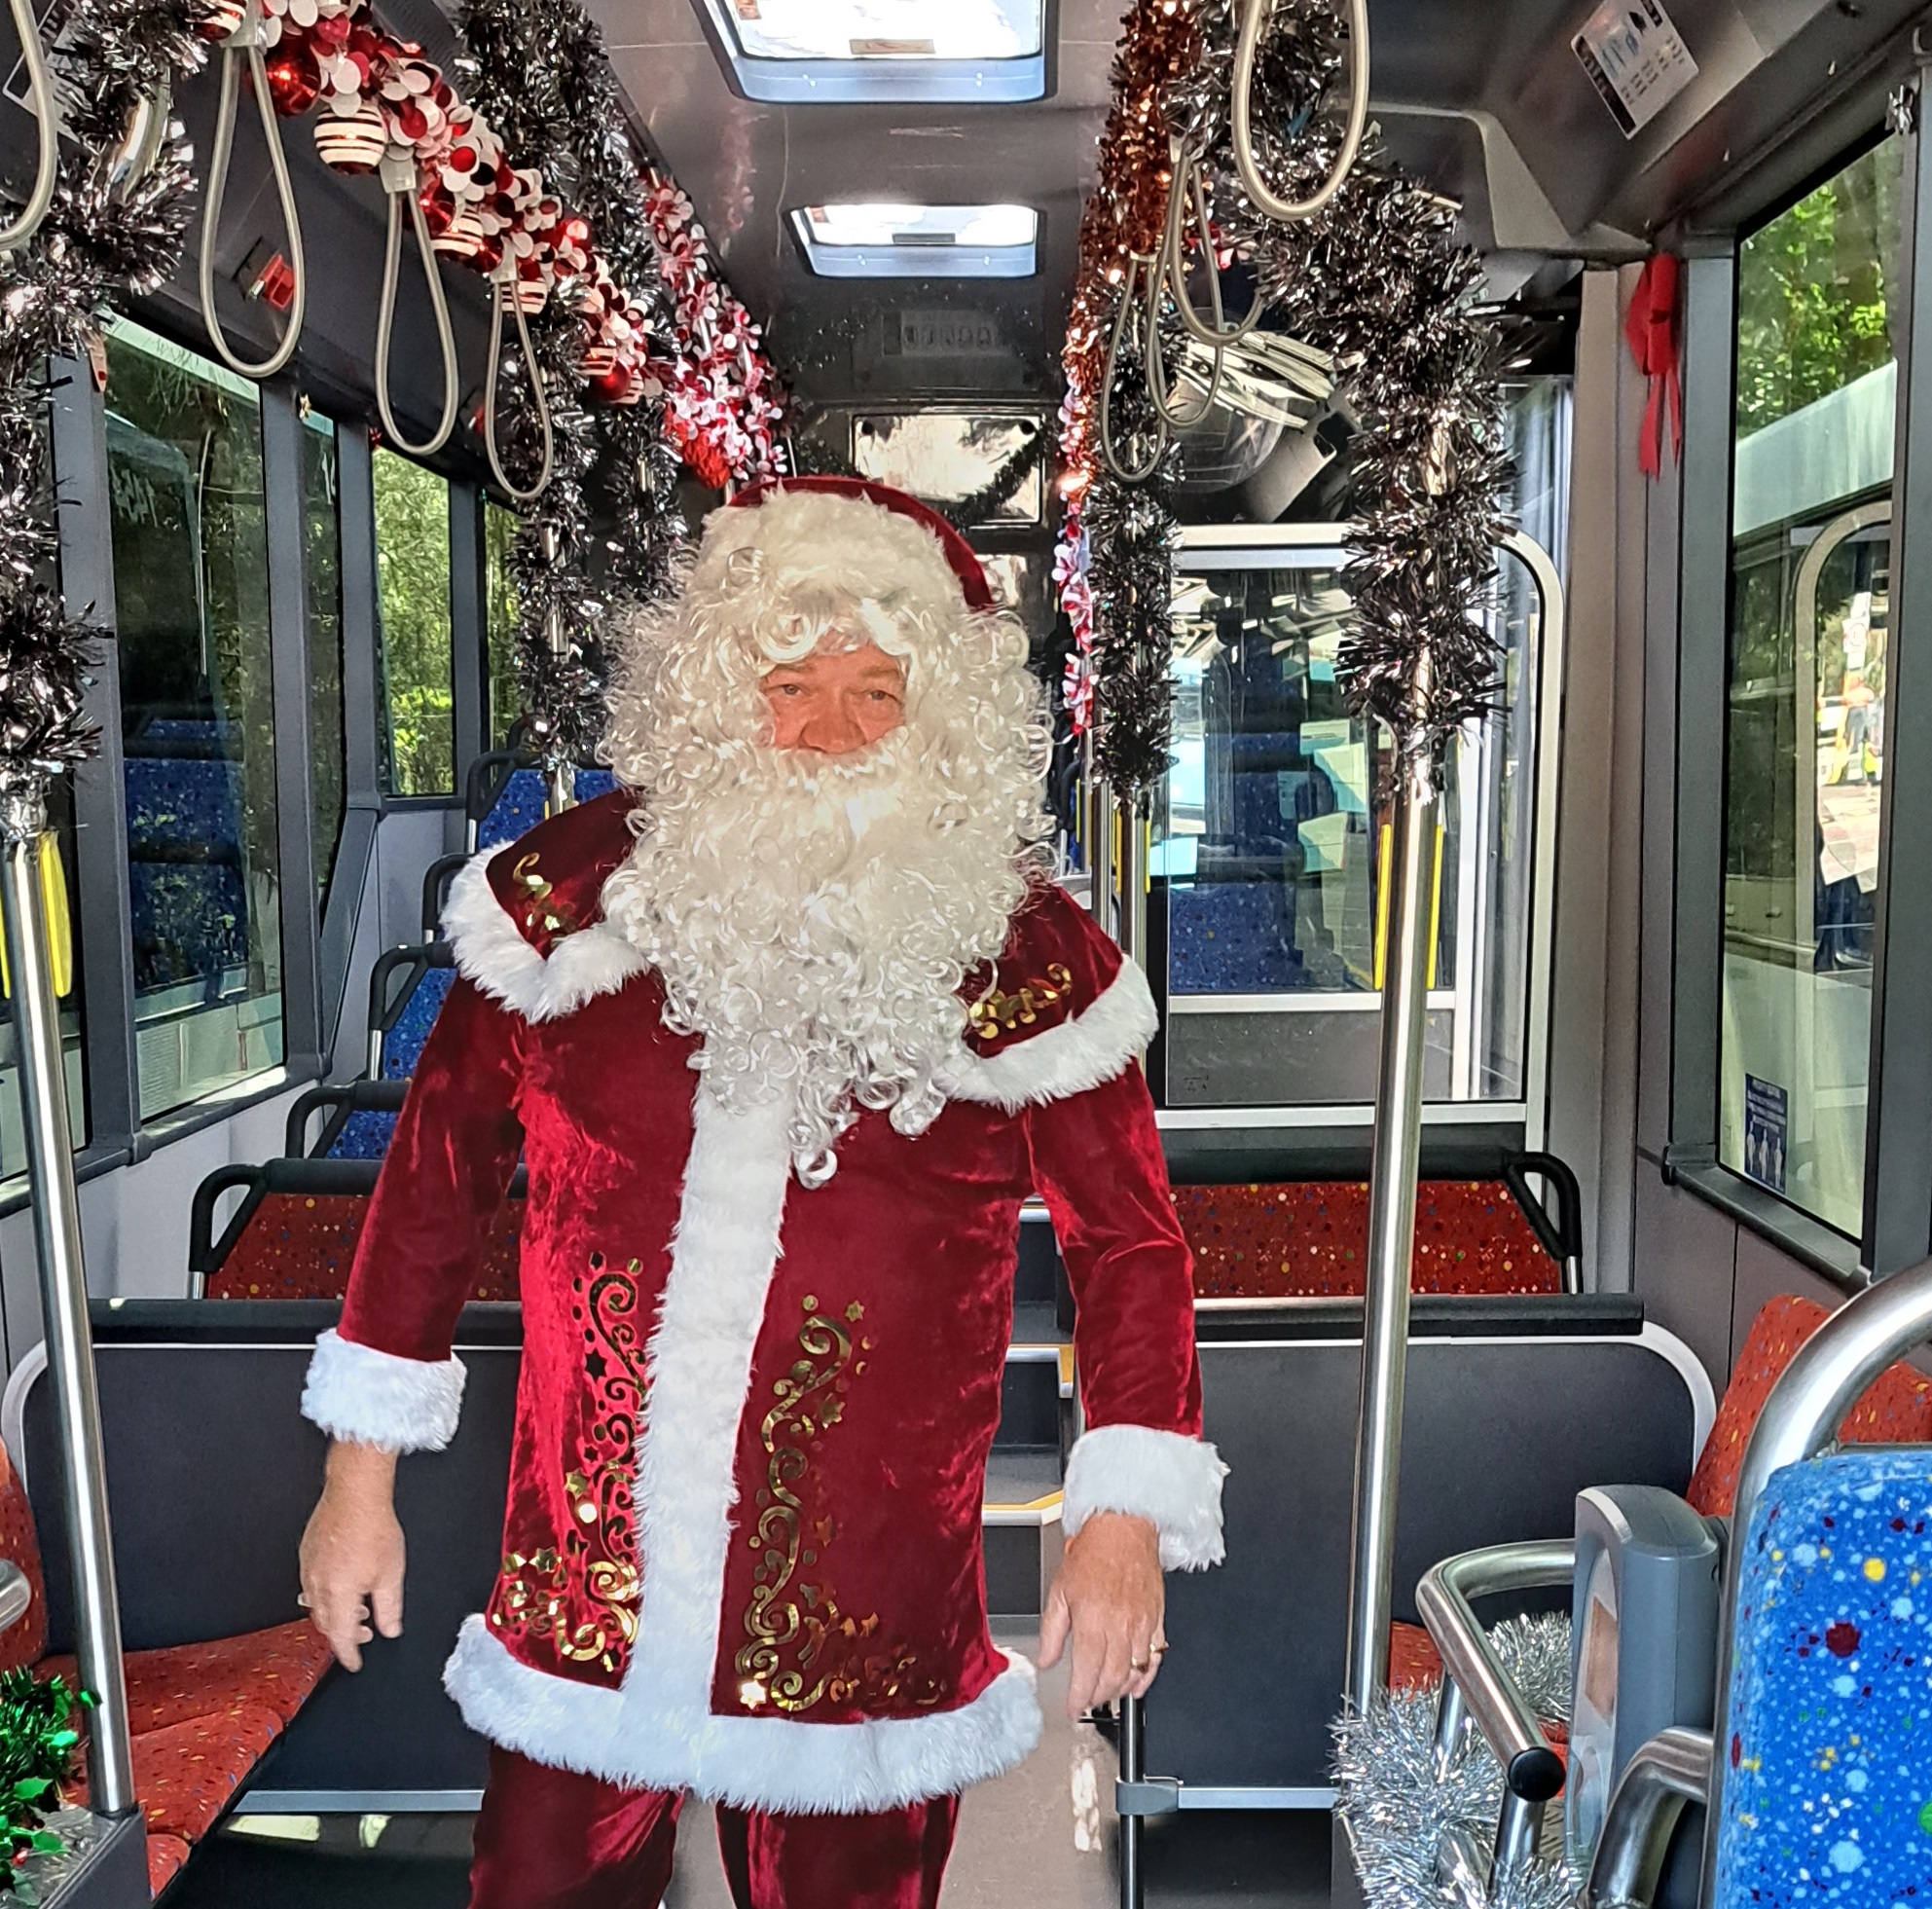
{"points": [[1663, 1242]]}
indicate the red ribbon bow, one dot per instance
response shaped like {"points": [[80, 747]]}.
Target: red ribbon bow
{"points": [[1652, 327]]}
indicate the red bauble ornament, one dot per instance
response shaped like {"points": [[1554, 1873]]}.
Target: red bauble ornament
{"points": [[439, 211], [294, 81]]}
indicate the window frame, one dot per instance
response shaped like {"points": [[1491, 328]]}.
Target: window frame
{"points": [[318, 935], [1691, 587]]}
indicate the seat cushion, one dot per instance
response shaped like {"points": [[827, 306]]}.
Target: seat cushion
{"points": [[1414, 1663], [1897, 1410], [270, 1669], [25, 1640], [1310, 1238], [186, 1775], [165, 1855]]}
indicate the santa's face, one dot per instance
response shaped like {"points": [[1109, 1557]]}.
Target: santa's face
{"points": [[838, 699]]}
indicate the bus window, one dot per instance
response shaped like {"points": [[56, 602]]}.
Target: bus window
{"points": [[499, 622], [322, 526], [1806, 751], [191, 596], [413, 561]]}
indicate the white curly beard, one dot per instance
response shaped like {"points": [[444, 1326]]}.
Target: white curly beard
{"points": [[812, 918]]}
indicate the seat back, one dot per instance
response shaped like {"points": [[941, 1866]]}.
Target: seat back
{"points": [[295, 1234], [1825, 1795], [24, 1642], [1897, 1409], [1310, 1239]]}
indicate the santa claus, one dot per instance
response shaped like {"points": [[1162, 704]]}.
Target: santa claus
{"points": [[785, 1032]]}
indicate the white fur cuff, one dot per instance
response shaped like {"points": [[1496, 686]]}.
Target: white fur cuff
{"points": [[1169, 1478], [365, 1397]]}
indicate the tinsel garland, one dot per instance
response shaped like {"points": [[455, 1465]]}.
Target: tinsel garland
{"points": [[1375, 280], [37, 1745], [1399, 1806], [113, 228], [540, 71]]}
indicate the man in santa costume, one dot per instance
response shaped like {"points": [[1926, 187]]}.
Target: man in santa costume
{"points": [[785, 1032]]}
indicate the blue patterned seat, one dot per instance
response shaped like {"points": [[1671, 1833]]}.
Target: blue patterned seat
{"points": [[517, 810], [365, 1134], [1829, 1795]]}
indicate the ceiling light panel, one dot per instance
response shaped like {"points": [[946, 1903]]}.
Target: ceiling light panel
{"points": [[886, 240], [834, 52]]}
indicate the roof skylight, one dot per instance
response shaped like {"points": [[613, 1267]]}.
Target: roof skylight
{"points": [[888, 241]]}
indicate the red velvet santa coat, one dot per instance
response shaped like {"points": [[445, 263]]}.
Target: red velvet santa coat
{"points": [[741, 1554]]}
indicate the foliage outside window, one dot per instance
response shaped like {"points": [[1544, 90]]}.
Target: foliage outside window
{"points": [[322, 519], [1816, 383], [506, 696], [191, 596], [412, 578]]}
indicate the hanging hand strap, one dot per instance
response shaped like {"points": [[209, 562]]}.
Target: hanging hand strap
{"points": [[398, 171], [246, 44], [1105, 432], [1160, 387], [46, 110], [1188, 184], [1287, 212], [504, 284]]}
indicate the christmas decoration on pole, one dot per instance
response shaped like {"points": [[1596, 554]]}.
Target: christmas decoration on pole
{"points": [[1402, 1803], [37, 1743]]}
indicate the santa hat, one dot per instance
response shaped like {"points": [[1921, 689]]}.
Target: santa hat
{"points": [[835, 518]]}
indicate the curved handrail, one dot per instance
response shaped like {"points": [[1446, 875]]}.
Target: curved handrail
{"points": [[399, 181], [1824, 1380], [1289, 211], [1664, 1774], [44, 106], [504, 289], [1474, 1682], [246, 44]]}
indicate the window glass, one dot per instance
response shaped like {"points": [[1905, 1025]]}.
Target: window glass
{"points": [[191, 589], [1273, 848], [321, 518], [1805, 749], [506, 695], [413, 569]]}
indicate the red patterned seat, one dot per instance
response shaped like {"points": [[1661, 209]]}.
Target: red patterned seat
{"points": [[201, 1715], [1897, 1410], [1310, 1238], [299, 1246]]}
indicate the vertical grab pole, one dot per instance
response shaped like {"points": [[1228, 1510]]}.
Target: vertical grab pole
{"points": [[1132, 830], [63, 1290], [1101, 829], [1133, 1883], [1391, 1232]]}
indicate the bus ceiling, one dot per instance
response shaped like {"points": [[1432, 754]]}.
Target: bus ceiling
{"points": [[1490, 105]]}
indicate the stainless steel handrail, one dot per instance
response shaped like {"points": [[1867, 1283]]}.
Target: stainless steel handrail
{"points": [[1475, 1684], [1669, 1771], [16, 1595], [1801, 1418]]}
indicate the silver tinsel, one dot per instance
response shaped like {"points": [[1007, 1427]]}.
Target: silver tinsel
{"points": [[1399, 1807]]}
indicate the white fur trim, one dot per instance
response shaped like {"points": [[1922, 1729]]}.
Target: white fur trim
{"points": [[1169, 1478], [753, 1763], [1081, 1054], [658, 1731], [366, 1397], [492, 952]]}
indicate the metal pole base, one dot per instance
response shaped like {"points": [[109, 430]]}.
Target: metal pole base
{"points": [[1344, 1878]]}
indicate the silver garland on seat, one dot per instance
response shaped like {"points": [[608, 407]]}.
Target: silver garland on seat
{"points": [[1399, 1807], [123, 202]]}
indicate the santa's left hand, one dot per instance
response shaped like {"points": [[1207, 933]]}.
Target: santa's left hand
{"points": [[1109, 1598]]}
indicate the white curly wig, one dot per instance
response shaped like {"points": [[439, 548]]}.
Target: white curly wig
{"points": [[813, 917]]}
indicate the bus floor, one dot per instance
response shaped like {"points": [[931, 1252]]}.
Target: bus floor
{"points": [[1043, 1834]]}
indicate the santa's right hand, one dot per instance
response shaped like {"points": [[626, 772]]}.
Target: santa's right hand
{"points": [[352, 1555]]}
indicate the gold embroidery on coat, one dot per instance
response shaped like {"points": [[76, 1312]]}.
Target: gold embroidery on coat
{"points": [[597, 1557], [540, 912], [996, 1014], [802, 1648]]}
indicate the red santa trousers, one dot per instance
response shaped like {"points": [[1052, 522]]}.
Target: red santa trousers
{"points": [[551, 1839]]}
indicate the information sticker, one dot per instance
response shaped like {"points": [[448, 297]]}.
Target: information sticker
{"points": [[1636, 60], [1767, 1131]]}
